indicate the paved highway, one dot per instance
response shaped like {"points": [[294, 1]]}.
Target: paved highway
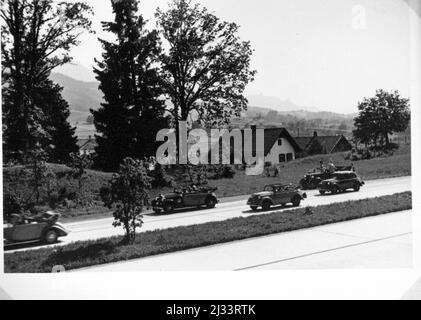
{"points": [[94, 229], [378, 242]]}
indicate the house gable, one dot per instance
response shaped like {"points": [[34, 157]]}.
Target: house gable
{"points": [[342, 145], [272, 136], [282, 151]]}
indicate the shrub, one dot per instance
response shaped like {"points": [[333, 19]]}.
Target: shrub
{"points": [[11, 205], [160, 178], [60, 190], [79, 163], [128, 194], [225, 171]]}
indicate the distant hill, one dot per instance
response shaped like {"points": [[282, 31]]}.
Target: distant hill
{"points": [[301, 114], [276, 103], [77, 72], [85, 95], [308, 115], [299, 122], [80, 95]]}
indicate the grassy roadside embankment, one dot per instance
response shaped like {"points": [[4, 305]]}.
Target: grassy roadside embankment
{"points": [[399, 164], [102, 251]]}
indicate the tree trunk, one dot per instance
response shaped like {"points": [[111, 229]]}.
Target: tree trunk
{"points": [[386, 136], [177, 133]]}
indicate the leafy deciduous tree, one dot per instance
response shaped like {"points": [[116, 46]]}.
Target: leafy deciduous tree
{"points": [[206, 67], [36, 37], [380, 116], [128, 193]]}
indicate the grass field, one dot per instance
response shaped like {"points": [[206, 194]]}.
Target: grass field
{"points": [[90, 253], [399, 164]]}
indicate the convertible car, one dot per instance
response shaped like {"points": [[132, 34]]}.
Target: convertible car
{"points": [[189, 197], [276, 194], [43, 228]]}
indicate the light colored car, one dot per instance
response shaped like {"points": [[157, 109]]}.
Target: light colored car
{"points": [[43, 228], [276, 194]]}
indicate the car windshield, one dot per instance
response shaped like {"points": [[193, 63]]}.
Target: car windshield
{"points": [[342, 176]]}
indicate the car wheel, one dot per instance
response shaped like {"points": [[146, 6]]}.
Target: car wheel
{"points": [[322, 192], [357, 188], [335, 190], [254, 208], [157, 210], [210, 203], [168, 208], [51, 236], [296, 201], [266, 205]]}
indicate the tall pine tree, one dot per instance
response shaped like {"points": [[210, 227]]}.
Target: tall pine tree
{"points": [[62, 140], [132, 113]]}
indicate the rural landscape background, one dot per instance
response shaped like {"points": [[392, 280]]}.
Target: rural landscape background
{"points": [[79, 138]]}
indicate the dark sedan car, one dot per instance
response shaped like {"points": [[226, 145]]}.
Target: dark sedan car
{"points": [[340, 182], [185, 198], [276, 194], [311, 180]]}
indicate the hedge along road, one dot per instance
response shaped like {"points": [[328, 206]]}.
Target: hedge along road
{"points": [[102, 228]]}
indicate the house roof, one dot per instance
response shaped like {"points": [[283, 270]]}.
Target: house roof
{"points": [[303, 142], [328, 143], [271, 136]]}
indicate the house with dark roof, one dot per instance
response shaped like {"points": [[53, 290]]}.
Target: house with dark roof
{"points": [[323, 144], [87, 146], [279, 146]]}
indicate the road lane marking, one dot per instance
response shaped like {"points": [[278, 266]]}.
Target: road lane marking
{"points": [[322, 251]]}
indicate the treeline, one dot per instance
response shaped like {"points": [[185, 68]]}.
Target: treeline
{"points": [[192, 62], [300, 123], [152, 79]]}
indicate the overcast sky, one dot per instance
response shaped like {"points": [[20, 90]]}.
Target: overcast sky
{"points": [[327, 54]]}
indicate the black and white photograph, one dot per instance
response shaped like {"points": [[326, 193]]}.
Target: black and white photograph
{"points": [[265, 149]]}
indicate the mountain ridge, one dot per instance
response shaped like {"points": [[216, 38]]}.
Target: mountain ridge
{"points": [[85, 95]]}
